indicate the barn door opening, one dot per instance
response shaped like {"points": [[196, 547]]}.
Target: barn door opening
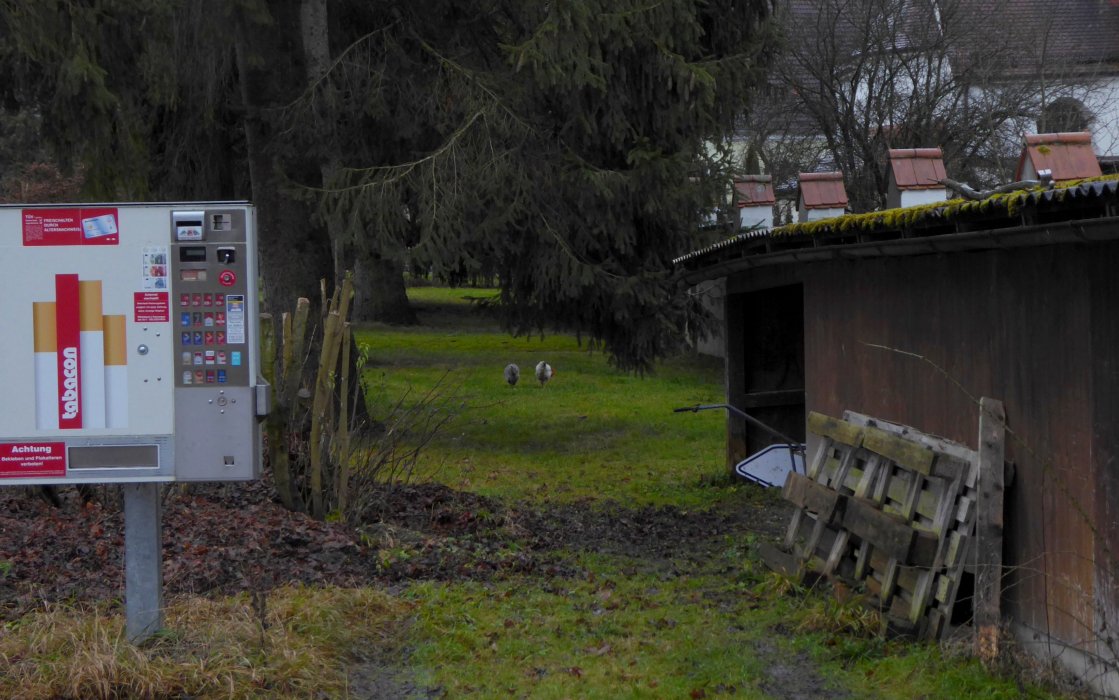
{"points": [[766, 366]]}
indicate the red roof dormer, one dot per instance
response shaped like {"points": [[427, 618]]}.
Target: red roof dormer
{"points": [[917, 168], [822, 191], [754, 191], [1067, 155]]}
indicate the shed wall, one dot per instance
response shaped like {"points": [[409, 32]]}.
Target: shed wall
{"points": [[1014, 325]]}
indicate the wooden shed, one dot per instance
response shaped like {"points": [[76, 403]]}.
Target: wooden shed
{"points": [[910, 315]]}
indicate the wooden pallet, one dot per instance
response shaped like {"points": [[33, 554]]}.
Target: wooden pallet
{"points": [[888, 507]]}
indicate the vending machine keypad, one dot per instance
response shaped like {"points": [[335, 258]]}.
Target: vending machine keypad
{"points": [[209, 278]]}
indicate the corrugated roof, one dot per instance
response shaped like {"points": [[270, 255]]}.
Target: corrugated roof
{"points": [[823, 190], [754, 190], [917, 168], [1067, 155], [929, 221]]}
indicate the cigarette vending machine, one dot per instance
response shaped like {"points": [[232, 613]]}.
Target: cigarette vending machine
{"points": [[130, 343]]}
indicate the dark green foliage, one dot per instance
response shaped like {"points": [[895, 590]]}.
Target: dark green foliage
{"points": [[569, 148]]}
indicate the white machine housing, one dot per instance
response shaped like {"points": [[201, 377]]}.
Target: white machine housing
{"points": [[131, 344]]}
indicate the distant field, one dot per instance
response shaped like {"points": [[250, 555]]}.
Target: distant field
{"points": [[591, 432]]}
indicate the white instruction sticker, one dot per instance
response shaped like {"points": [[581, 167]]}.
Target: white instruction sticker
{"points": [[234, 319]]}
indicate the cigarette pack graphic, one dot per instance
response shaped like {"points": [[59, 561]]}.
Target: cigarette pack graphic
{"points": [[46, 365], [81, 373], [98, 226], [116, 373], [92, 354]]}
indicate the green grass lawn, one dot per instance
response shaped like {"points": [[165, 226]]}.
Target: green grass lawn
{"points": [[708, 626], [660, 596], [592, 432]]}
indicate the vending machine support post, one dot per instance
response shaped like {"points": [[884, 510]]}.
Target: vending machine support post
{"points": [[143, 561]]}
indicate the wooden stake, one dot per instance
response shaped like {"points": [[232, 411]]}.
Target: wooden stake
{"points": [[988, 529]]}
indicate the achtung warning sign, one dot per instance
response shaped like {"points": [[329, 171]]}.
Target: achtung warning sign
{"points": [[32, 459]]}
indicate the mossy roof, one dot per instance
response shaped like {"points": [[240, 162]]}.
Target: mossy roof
{"points": [[924, 216]]}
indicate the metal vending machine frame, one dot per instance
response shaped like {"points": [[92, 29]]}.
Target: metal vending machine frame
{"points": [[130, 356], [131, 344]]}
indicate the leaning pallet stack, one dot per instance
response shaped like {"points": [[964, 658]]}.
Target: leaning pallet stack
{"points": [[886, 507]]}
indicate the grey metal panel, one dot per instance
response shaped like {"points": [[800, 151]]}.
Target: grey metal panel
{"points": [[113, 457], [217, 435]]}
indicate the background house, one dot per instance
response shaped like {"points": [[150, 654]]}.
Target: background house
{"points": [[859, 77]]}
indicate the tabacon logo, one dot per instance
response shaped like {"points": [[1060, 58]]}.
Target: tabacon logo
{"points": [[68, 397]]}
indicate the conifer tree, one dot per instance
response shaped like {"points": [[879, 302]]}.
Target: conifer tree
{"points": [[567, 147]]}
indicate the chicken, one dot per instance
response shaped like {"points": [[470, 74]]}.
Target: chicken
{"points": [[544, 372], [512, 374]]}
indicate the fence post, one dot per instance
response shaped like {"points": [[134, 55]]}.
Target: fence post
{"points": [[989, 528]]}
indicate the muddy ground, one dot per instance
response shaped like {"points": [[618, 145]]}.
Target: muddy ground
{"points": [[224, 539]]}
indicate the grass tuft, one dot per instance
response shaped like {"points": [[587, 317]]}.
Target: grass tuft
{"points": [[210, 648]]}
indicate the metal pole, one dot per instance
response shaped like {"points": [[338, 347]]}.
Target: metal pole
{"points": [[143, 561], [752, 421]]}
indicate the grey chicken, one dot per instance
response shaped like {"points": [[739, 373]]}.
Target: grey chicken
{"points": [[544, 372], [512, 374]]}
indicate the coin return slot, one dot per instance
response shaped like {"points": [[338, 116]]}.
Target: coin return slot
{"points": [[221, 222], [227, 256]]}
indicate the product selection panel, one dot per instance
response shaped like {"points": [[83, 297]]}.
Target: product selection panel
{"points": [[209, 279]]}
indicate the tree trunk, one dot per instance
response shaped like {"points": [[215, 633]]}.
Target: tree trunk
{"points": [[295, 255], [380, 292]]}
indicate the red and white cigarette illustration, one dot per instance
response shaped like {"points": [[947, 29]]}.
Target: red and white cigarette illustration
{"points": [[92, 354], [116, 373], [46, 366], [81, 373]]}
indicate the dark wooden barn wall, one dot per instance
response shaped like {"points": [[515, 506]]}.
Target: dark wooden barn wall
{"points": [[1017, 326]]}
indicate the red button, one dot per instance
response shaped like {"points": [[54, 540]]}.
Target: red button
{"points": [[227, 278]]}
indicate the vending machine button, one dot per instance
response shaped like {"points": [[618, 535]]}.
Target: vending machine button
{"points": [[209, 357], [227, 278], [221, 376], [235, 358], [220, 337], [186, 337], [184, 318], [209, 337], [186, 358], [210, 378], [196, 299], [187, 377], [199, 377], [197, 337], [207, 299], [184, 300]]}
